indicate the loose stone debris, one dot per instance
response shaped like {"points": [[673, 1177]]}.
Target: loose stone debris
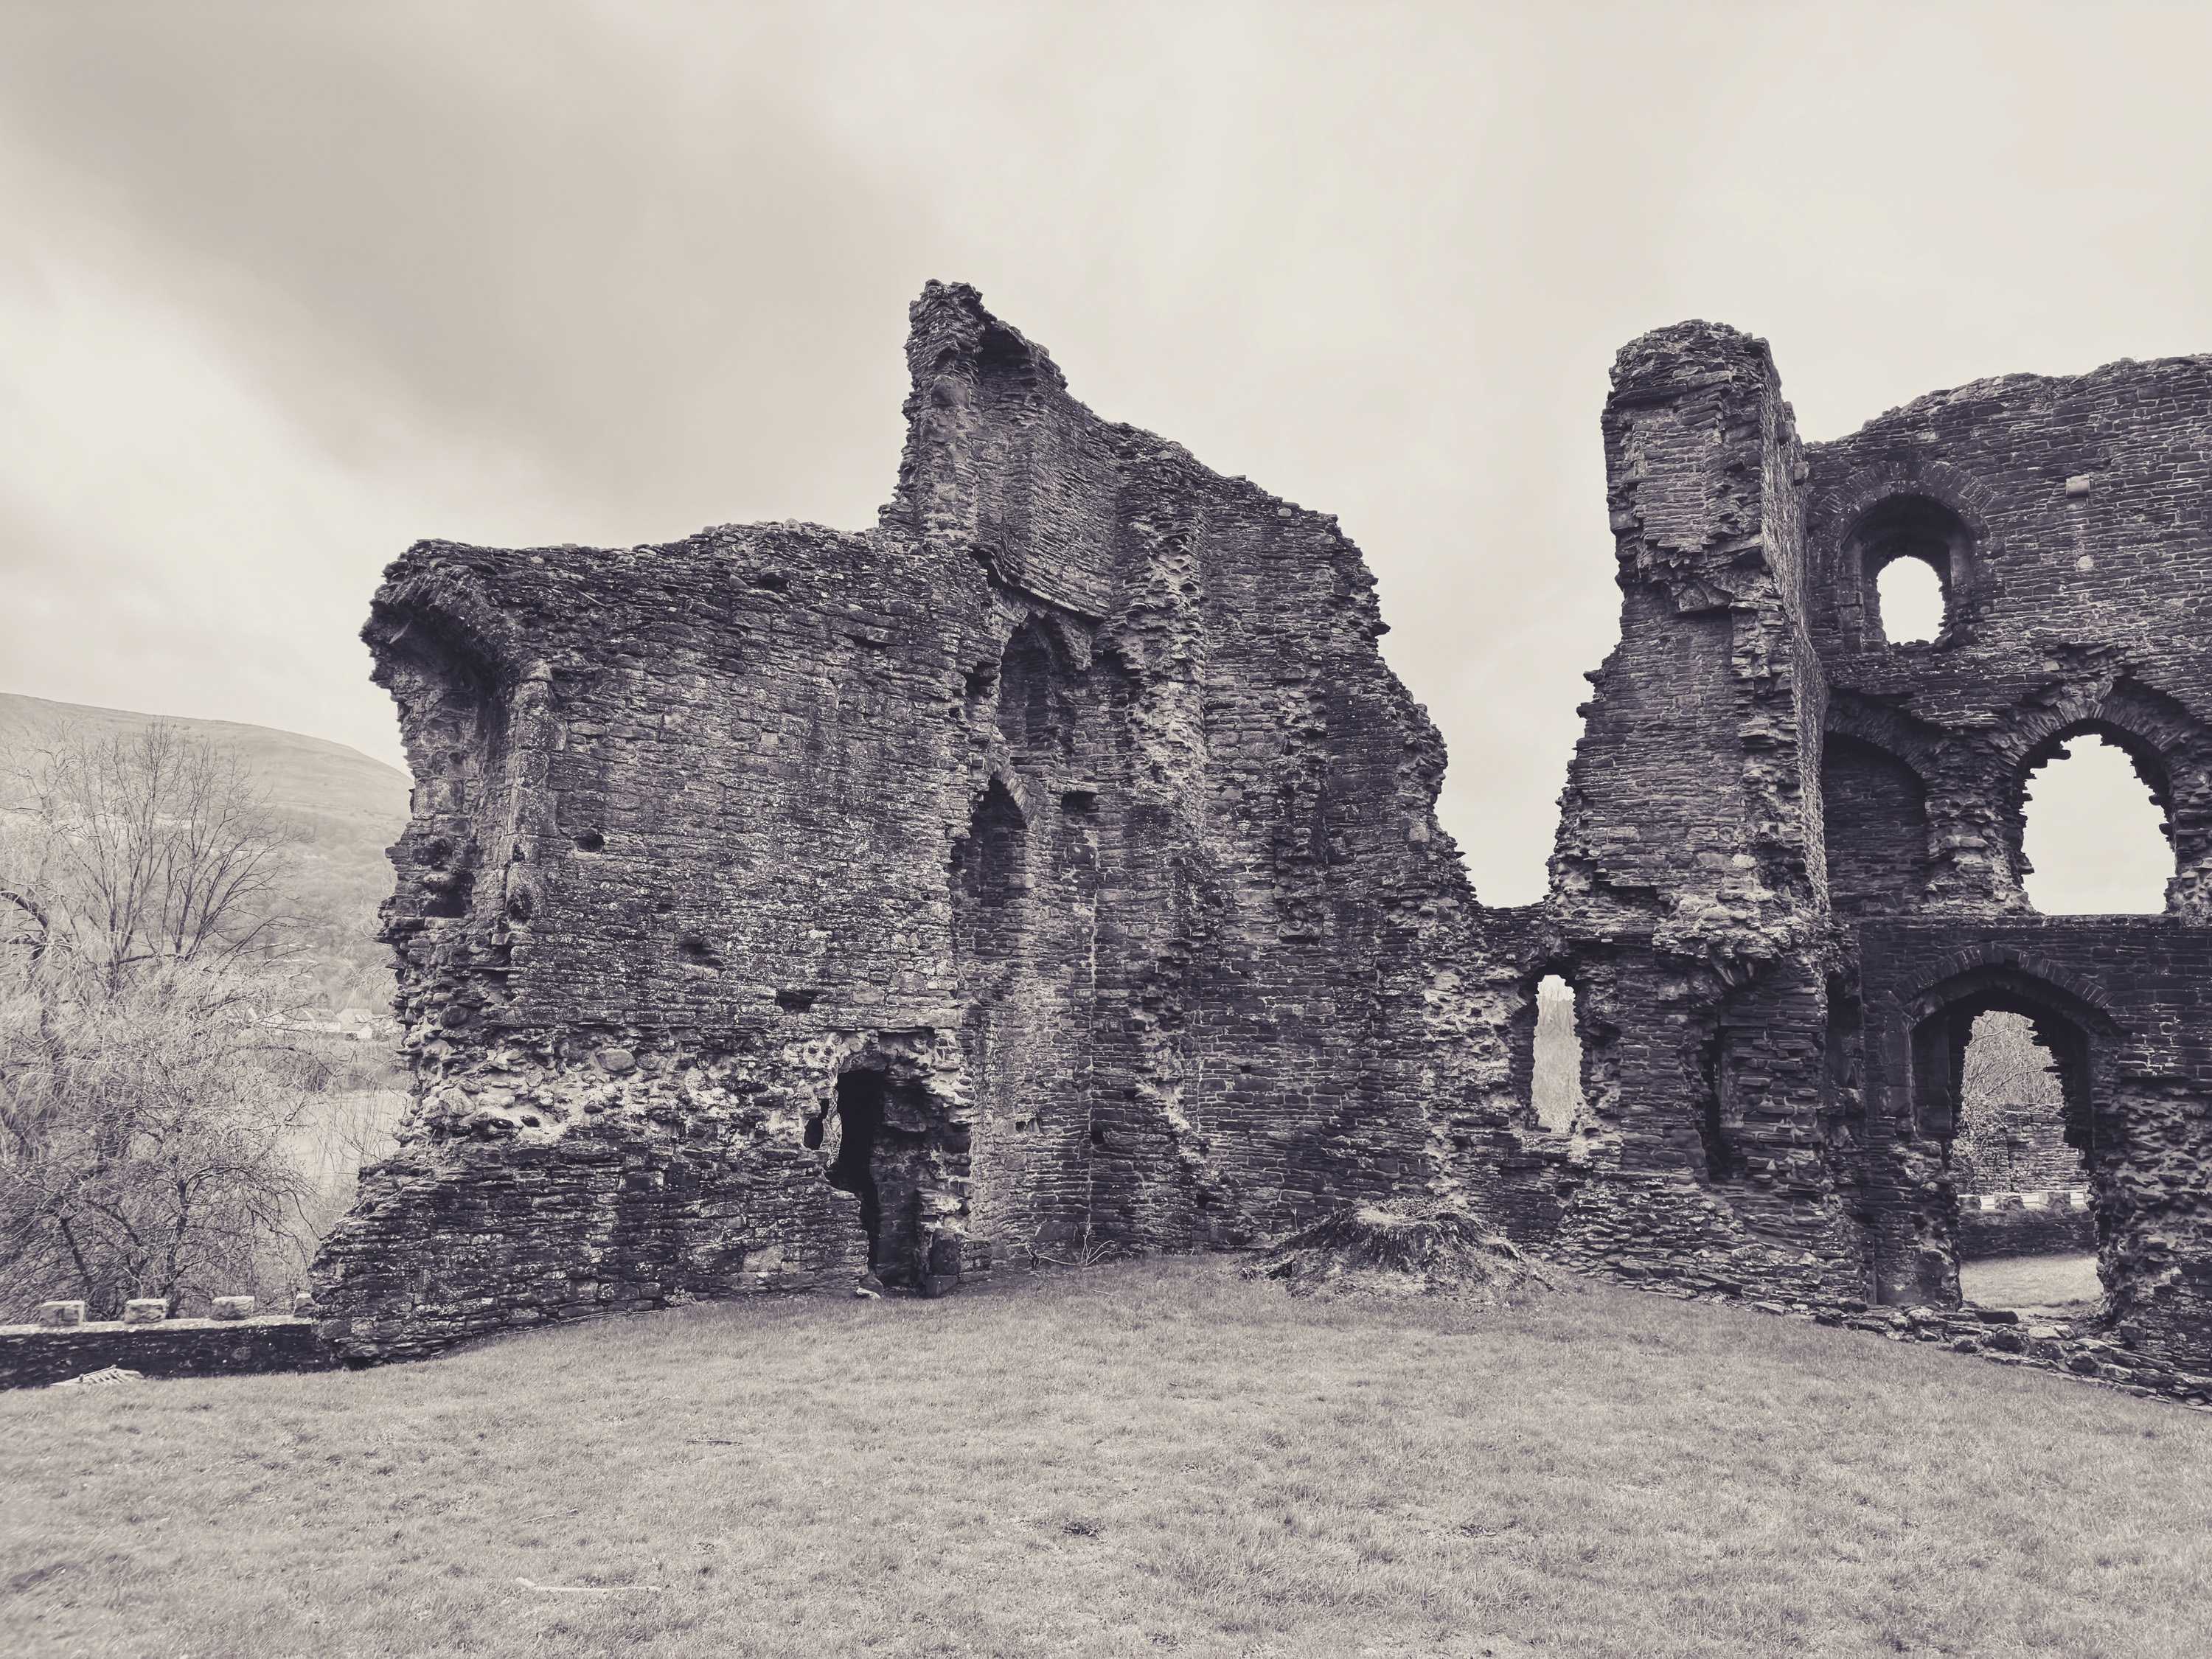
{"points": [[1402, 1249]]}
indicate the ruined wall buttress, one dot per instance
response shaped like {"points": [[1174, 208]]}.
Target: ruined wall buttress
{"points": [[1689, 887]]}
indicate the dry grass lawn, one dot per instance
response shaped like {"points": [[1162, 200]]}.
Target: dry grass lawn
{"points": [[1150, 1458], [2032, 1281]]}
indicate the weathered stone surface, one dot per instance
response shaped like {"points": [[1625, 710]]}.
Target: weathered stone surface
{"points": [[145, 1310], [33, 1356], [1051, 868], [1789, 867]]}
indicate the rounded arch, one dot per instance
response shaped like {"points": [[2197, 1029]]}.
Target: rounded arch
{"points": [[1909, 524], [1911, 742], [2170, 749], [1919, 507], [1840, 509], [1965, 972], [2070, 1015]]}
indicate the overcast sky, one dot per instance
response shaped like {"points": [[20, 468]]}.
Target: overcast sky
{"points": [[285, 287]]}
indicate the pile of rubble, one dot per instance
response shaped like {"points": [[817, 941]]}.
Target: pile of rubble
{"points": [[1407, 1248]]}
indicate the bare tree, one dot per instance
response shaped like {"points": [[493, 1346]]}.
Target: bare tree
{"points": [[2012, 1106], [147, 1079], [143, 845]]}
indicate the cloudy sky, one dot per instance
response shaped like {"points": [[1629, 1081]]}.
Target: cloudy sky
{"points": [[284, 286]]}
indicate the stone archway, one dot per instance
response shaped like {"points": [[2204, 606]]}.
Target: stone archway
{"points": [[1918, 1251]]}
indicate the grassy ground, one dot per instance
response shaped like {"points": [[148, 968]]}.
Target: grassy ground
{"points": [[2032, 1281], [1150, 1458]]}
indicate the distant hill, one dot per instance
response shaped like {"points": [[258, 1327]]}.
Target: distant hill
{"points": [[346, 807], [308, 778]]}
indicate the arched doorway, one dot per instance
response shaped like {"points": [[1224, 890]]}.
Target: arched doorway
{"points": [[2007, 1081], [889, 1140], [2027, 1233]]}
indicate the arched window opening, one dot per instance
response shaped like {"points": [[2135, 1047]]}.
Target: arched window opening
{"points": [[1556, 1088], [1037, 715], [1909, 594], [2027, 1233], [1915, 571], [2094, 832]]}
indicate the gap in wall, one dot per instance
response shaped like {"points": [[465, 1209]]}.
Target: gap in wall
{"points": [[1910, 594], [2093, 834], [1556, 1090]]}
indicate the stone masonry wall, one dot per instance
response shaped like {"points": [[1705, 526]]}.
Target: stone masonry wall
{"points": [[2026, 1224], [1062, 843], [1051, 868], [34, 1356], [1768, 791], [1687, 904]]}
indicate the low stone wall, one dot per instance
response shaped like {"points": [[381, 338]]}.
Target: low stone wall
{"points": [[2025, 1223], [33, 1356]]}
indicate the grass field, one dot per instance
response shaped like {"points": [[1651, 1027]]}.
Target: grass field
{"points": [[2032, 1281], [1152, 1457]]}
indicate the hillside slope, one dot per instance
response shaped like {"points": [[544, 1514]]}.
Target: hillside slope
{"points": [[345, 807], [308, 778]]}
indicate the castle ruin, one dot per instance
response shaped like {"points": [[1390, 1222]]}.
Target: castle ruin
{"points": [[1051, 869]]}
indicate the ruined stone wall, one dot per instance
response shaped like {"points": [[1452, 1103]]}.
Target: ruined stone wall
{"points": [[37, 1356], [2070, 524], [1767, 791], [1050, 868], [1688, 883]]}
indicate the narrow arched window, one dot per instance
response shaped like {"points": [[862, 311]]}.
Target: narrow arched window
{"points": [[1914, 559], [1556, 1086], [1911, 596]]}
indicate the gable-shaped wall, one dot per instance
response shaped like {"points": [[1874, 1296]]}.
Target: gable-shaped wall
{"points": [[1047, 869]]}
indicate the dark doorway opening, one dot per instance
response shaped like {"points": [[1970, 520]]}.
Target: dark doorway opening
{"points": [[860, 1122], [897, 1154]]}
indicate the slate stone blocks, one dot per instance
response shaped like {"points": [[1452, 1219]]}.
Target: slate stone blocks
{"points": [[1051, 867]]}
